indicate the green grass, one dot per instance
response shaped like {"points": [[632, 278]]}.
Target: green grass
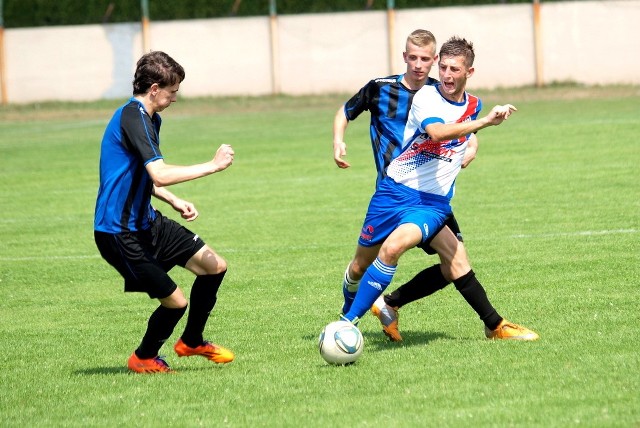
{"points": [[550, 211]]}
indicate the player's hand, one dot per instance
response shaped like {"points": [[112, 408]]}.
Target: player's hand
{"points": [[186, 209], [501, 113], [223, 157], [339, 151]]}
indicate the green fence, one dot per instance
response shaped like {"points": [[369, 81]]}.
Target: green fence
{"points": [[39, 13]]}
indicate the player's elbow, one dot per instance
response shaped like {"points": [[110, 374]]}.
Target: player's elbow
{"points": [[159, 174], [160, 181], [436, 132]]}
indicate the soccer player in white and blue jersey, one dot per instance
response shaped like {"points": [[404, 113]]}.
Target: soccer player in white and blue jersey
{"points": [[389, 101], [412, 203]]}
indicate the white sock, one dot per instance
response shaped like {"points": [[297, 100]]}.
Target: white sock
{"points": [[348, 283]]}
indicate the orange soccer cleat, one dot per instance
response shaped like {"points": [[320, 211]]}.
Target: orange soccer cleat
{"points": [[388, 317], [148, 365], [509, 330], [212, 352]]}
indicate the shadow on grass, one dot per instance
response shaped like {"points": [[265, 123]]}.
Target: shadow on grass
{"points": [[123, 370], [377, 341], [102, 371]]}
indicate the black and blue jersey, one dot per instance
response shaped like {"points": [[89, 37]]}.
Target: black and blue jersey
{"points": [[389, 103], [131, 140]]}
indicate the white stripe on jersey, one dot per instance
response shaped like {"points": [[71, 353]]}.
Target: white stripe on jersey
{"points": [[425, 165]]}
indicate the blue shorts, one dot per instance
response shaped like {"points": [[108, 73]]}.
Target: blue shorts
{"points": [[394, 204]]}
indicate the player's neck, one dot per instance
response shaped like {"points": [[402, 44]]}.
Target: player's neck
{"points": [[146, 103], [413, 84]]}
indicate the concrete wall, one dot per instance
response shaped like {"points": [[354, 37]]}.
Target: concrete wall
{"points": [[591, 42]]}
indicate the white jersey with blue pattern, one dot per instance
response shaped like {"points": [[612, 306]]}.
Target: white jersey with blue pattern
{"points": [[425, 165]]}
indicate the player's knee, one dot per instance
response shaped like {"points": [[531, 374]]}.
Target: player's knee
{"points": [[216, 268], [221, 266], [175, 301], [210, 263], [390, 253]]}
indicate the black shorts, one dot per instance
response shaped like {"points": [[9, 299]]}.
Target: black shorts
{"points": [[143, 258], [452, 223]]}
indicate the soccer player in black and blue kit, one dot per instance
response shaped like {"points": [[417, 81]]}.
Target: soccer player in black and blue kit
{"points": [[136, 239], [389, 101]]}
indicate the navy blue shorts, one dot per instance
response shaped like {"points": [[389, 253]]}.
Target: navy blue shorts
{"points": [[143, 258]]}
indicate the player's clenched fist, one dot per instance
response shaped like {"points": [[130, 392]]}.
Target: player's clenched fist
{"points": [[500, 113], [224, 157]]}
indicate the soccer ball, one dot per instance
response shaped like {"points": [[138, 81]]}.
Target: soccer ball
{"points": [[340, 343]]}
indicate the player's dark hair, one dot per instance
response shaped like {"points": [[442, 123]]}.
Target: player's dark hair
{"points": [[156, 67], [457, 46]]}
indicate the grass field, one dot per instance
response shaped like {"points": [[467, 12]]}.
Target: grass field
{"points": [[550, 212]]}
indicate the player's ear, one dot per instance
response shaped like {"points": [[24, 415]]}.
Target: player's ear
{"points": [[470, 72], [404, 56], [154, 88]]}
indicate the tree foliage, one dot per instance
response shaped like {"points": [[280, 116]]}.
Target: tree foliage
{"points": [[39, 13]]}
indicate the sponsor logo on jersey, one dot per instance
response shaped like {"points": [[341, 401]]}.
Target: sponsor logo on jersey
{"points": [[424, 146]]}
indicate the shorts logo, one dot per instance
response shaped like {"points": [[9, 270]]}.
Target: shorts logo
{"points": [[367, 233], [195, 238], [425, 226]]}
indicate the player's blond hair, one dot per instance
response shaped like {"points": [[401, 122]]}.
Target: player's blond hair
{"points": [[421, 38]]}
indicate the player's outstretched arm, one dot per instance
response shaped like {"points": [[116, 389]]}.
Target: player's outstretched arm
{"points": [[164, 174], [450, 131], [340, 124]]}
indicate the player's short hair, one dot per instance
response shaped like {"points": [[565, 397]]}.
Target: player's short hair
{"points": [[421, 38], [156, 67], [457, 46]]}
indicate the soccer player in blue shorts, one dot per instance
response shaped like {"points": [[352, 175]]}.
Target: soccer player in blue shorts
{"points": [[389, 101], [136, 239]]}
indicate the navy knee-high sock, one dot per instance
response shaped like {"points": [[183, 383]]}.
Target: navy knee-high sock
{"points": [[470, 288], [424, 284], [159, 328], [202, 300]]}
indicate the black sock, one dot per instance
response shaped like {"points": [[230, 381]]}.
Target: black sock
{"points": [[201, 303], [474, 294], [422, 285], [159, 328]]}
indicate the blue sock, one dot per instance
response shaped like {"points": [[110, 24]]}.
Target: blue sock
{"points": [[349, 290], [375, 280]]}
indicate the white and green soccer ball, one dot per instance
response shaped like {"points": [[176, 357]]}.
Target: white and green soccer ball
{"points": [[340, 343]]}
